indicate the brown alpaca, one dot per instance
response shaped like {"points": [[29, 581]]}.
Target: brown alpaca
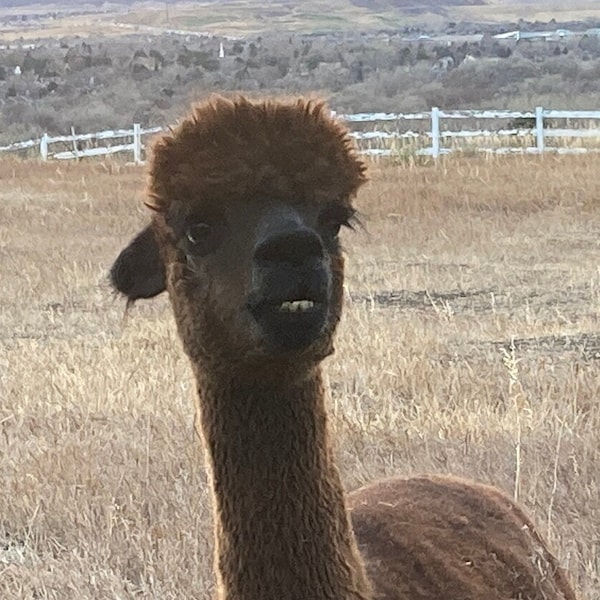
{"points": [[247, 200]]}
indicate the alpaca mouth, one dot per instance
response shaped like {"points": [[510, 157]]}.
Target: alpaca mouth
{"points": [[291, 323], [292, 306], [296, 308], [291, 284]]}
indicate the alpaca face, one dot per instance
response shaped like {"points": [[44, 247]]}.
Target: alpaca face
{"points": [[266, 279], [255, 279], [249, 199]]}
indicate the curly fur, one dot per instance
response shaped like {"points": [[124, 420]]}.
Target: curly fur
{"points": [[442, 537], [282, 528], [239, 150]]}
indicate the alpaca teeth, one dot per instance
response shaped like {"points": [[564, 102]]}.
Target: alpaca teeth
{"points": [[296, 305]]}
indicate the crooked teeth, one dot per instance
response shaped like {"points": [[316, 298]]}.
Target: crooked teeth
{"points": [[296, 305]]}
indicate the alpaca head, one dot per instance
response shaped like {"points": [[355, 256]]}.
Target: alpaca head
{"points": [[248, 199]]}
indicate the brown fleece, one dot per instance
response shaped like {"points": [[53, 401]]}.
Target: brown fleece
{"points": [[441, 537], [281, 525]]}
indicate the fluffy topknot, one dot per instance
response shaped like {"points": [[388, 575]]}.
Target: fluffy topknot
{"points": [[254, 150]]}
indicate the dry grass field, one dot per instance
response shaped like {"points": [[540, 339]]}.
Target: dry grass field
{"points": [[237, 17], [471, 345], [251, 17]]}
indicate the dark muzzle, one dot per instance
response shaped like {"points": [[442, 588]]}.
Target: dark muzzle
{"points": [[291, 287]]}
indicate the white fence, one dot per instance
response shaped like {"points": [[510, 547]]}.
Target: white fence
{"points": [[387, 134], [521, 139], [77, 140], [87, 144]]}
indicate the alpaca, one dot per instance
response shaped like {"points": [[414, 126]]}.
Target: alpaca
{"points": [[248, 198]]}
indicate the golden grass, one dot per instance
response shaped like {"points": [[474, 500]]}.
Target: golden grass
{"points": [[472, 333], [251, 17], [238, 17], [531, 10]]}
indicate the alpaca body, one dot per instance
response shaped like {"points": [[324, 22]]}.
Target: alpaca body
{"points": [[446, 538], [248, 200]]}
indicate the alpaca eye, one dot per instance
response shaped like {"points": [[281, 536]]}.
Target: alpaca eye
{"points": [[334, 218], [198, 233], [201, 239], [333, 228]]}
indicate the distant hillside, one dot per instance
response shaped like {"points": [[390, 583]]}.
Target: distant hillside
{"points": [[60, 4], [423, 6], [57, 18], [375, 5]]}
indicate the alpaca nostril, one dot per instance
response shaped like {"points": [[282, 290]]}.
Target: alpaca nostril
{"points": [[295, 247]]}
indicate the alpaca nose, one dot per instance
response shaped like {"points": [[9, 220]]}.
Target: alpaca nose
{"points": [[296, 247]]}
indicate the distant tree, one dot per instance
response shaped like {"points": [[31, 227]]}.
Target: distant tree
{"points": [[422, 52], [590, 44], [313, 61], [356, 71], [404, 56]]}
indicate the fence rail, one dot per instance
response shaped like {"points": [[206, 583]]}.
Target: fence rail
{"points": [[135, 145], [20, 146], [437, 136], [434, 136]]}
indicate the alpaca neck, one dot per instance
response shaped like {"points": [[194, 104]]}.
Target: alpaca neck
{"points": [[282, 531]]}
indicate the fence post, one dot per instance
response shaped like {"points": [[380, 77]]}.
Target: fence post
{"points": [[137, 144], [539, 128], [75, 148], [44, 147], [435, 132]]}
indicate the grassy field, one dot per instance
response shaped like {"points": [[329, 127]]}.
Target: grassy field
{"points": [[249, 17], [498, 11], [471, 345]]}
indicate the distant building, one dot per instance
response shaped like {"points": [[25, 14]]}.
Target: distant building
{"points": [[548, 36]]}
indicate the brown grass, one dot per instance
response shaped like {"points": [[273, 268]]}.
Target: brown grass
{"points": [[238, 17], [252, 17], [470, 346]]}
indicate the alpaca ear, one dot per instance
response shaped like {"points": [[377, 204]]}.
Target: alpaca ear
{"points": [[139, 271]]}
